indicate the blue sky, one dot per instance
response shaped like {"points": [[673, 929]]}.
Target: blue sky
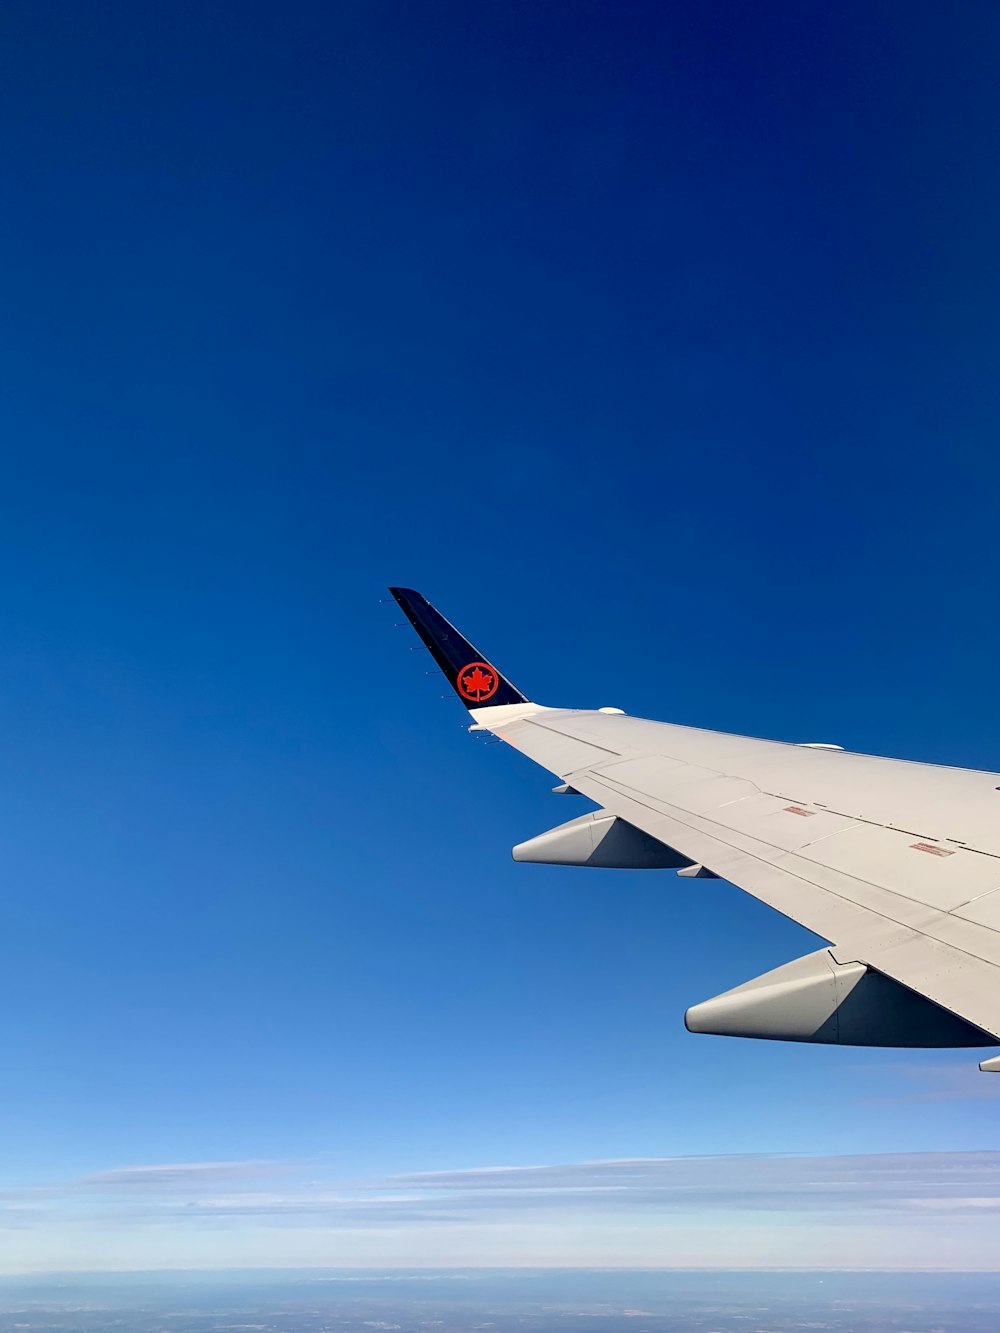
{"points": [[657, 345]]}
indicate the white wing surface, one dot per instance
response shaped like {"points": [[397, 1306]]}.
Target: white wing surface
{"points": [[896, 864]]}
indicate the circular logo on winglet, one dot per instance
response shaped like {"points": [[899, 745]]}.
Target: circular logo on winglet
{"points": [[477, 682]]}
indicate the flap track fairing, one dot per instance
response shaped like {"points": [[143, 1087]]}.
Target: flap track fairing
{"points": [[600, 840], [817, 999]]}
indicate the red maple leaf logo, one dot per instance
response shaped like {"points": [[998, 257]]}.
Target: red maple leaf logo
{"points": [[477, 681]]}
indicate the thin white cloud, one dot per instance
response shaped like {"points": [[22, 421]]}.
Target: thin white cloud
{"points": [[183, 1173], [651, 1187], [751, 1182]]}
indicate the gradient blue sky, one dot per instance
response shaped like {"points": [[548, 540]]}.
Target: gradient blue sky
{"points": [[658, 346]]}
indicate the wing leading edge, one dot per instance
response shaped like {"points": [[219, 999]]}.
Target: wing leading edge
{"points": [[896, 864]]}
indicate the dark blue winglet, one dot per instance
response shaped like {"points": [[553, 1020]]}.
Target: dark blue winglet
{"points": [[473, 678]]}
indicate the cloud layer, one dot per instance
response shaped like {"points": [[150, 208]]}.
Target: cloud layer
{"points": [[877, 1210]]}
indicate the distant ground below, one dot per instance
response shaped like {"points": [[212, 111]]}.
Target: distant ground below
{"points": [[502, 1301]]}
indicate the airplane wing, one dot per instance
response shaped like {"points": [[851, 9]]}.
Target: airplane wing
{"points": [[896, 864]]}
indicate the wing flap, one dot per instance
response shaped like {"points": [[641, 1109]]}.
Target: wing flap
{"points": [[927, 872], [783, 825]]}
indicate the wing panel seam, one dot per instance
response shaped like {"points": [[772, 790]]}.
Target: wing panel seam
{"points": [[909, 927]]}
